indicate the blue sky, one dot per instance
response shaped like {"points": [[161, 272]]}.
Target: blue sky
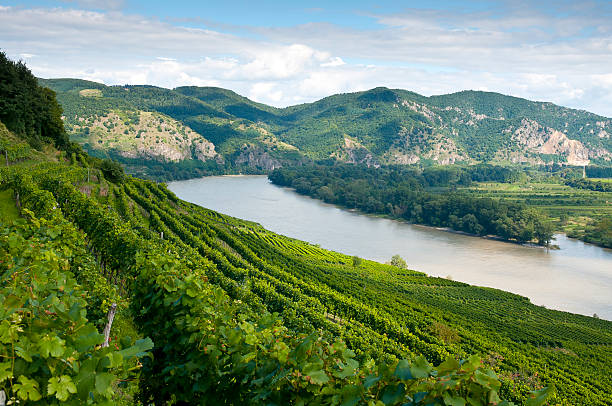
{"points": [[288, 52]]}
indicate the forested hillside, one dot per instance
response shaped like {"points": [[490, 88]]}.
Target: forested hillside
{"points": [[215, 310], [376, 127]]}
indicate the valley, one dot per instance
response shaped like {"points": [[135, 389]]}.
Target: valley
{"points": [[114, 290], [376, 127]]}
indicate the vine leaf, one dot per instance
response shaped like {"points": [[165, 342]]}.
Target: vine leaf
{"points": [[5, 371], [402, 371], [103, 383], [51, 346], [539, 397], [27, 389], [62, 387], [318, 377]]}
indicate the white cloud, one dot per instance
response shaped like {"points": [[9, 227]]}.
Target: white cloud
{"points": [[523, 53], [335, 61], [265, 92]]}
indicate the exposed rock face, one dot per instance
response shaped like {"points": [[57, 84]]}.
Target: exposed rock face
{"points": [[444, 151], [353, 152], [543, 140], [398, 157], [420, 108], [257, 158], [204, 149], [146, 135]]}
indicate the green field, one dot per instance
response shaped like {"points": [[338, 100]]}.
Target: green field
{"points": [[571, 208]]}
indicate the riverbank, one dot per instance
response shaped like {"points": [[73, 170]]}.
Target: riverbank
{"points": [[573, 279], [403, 220]]}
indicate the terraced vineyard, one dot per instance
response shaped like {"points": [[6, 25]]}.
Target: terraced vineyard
{"points": [[380, 311], [213, 310]]}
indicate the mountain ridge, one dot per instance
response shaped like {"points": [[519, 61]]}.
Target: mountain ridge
{"points": [[377, 127]]}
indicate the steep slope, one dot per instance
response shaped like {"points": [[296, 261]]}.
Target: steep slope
{"points": [[234, 314], [191, 136], [379, 126], [203, 286]]}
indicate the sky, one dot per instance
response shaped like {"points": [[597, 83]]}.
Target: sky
{"points": [[290, 52]]}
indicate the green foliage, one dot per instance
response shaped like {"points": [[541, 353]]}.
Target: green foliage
{"points": [[600, 232], [598, 186], [577, 209], [398, 261], [28, 109], [11, 150], [401, 193], [50, 351], [598, 171], [112, 170]]}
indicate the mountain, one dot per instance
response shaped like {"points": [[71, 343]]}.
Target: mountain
{"points": [[219, 130], [114, 291]]}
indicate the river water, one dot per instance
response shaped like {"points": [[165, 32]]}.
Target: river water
{"points": [[577, 278]]}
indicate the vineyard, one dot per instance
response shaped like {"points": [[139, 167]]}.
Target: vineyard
{"points": [[240, 314], [115, 292]]}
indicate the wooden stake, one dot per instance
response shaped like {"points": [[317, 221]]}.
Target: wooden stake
{"points": [[6, 157], [109, 323]]}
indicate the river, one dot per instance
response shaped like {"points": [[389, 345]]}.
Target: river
{"points": [[577, 278]]}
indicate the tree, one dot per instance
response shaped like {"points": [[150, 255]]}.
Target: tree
{"points": [[398, 262], [28, 109], [357, 261], [112, 170]]}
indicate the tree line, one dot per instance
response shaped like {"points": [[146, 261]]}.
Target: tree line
{"points": [[404, 193], [28, 109]]}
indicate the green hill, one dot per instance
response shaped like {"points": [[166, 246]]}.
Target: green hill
{"points": [[211, 309], [379, 126], [200, 285]]}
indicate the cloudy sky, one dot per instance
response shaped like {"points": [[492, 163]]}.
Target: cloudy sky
{"points": [[289, 52]]}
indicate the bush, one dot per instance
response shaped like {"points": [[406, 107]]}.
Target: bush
{"points": [[112, 171]]}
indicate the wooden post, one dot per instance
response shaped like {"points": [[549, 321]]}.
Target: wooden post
{"points": [[17, 202], [109, 323], [6, 157]]}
